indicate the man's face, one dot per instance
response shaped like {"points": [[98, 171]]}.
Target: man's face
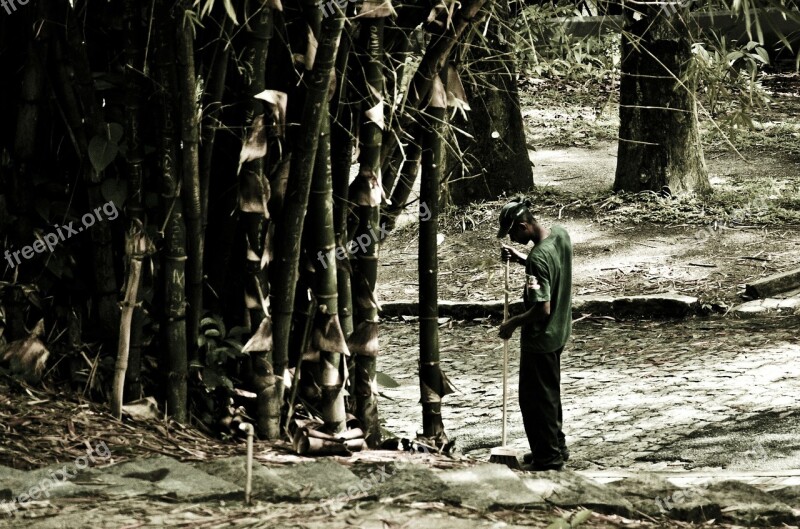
{"points": [[518, 233]]}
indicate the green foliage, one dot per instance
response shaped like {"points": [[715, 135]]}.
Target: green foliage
{"points": [[568, 521], [220, 350], [728, 76], [207, 5], [103, 148], [545, 49], [386, 381]]}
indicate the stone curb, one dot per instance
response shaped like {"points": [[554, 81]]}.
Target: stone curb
{"points": [[760, 307], [649, 306]]}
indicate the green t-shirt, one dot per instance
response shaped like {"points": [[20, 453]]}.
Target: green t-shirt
{"points": [[548, 277]]}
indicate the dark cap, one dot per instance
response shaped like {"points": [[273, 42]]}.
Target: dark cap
{"points": [[510, 213]]}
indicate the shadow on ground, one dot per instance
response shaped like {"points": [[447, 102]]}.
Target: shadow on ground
{"points": [[766, 440]]}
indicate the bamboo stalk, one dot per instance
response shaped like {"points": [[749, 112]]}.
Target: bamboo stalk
{"points": [[174, 256], [212, 103], [328, 337], [136, 247], [408, 176], [134, 63], [187, 90], [254, 194], [290, 229], [88, 122], [341, 141], [432, 383], [366, 192]]}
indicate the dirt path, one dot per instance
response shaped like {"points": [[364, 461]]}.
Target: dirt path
{"points": [[699, 393]]}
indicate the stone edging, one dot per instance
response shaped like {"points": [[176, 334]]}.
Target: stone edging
{"points": [[649, 306]]}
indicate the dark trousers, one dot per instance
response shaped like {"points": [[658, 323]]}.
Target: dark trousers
{"points": [[540, 403]]}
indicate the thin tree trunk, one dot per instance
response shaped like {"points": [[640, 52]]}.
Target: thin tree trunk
{"points": [[289, 231], [408, 176], [134, 65], [366, 192], [658, 86], [327, 338], [433, 385], [174, 274], [254, 194], [187, 90], [212, 103], [27, 130], [135, 249], [341, 149]]}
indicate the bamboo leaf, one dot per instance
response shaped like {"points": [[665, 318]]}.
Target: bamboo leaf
{"points": [[386, 381], [277, 103], [762, 55], [238, 331], [210, 323], [559, 523], [311, 50], [212, 379], [580, 517], [102, 152], [234, 344], [231, 11]]}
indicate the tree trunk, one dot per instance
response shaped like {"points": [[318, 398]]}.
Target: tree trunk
{"points": [[496, 156], [433, 385], [659, 142], [134, 65], [91, 124], [290, 229], [174, 269], [190, 165], [365, 192], [341, 149], [254, 194], [327, 339]]}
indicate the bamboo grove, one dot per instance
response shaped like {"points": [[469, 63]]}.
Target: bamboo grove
{"points": [[257, 152]]}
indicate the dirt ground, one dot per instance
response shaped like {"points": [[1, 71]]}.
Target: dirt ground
{"points": [[707, 247]]}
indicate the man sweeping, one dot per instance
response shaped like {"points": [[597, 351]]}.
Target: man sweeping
{"points": [[545, 326]]}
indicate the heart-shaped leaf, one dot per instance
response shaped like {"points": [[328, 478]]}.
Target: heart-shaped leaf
{"points": [[115, 190], [102, 152]]}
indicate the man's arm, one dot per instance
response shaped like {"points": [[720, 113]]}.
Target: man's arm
{"points": [[540, 312]]}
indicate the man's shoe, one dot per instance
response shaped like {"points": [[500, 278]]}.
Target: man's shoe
{"points": [[528, 458]]}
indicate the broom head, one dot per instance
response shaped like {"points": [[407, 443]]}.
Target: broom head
{"points": [[505, 456]]}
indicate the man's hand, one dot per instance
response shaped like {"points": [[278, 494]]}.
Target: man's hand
{"points": [[507, 328], [507, 253]]}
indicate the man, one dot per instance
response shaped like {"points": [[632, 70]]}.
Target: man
{"points": [[545, 326]]}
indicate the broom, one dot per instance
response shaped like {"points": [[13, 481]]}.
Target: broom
{"points": [[502, 454]]}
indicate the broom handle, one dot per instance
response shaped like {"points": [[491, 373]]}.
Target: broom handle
{"points": [[505, 355]]}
